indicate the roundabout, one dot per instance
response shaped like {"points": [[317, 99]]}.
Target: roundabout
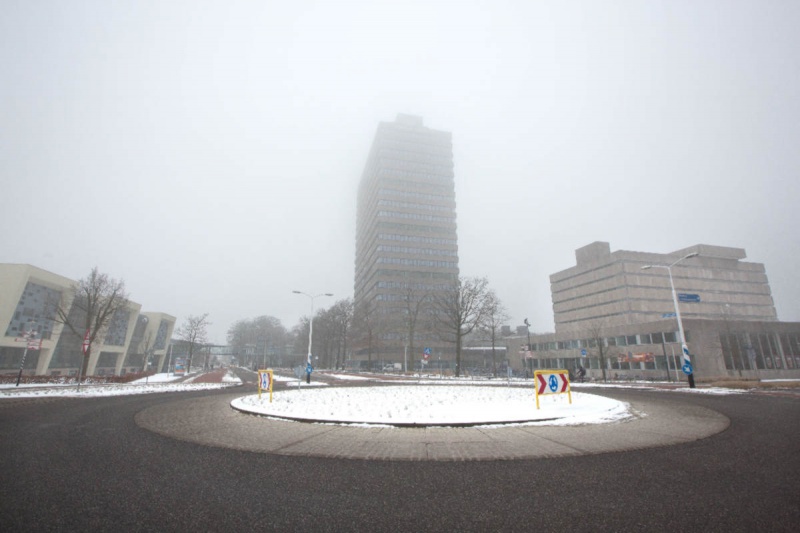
{"points": [[212, 421]]}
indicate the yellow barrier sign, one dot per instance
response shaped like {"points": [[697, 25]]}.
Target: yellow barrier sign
{"points": [[551, 382], [265, 382]]}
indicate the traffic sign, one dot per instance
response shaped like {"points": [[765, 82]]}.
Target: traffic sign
{"points": [[309, 368], [583, 353], [669, 315], [86, 343], [426, 353], [552, 382], [693, 298], [687, 369], [265, 382]]}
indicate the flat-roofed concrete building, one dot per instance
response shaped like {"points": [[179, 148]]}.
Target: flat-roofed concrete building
{"points": [[406, 242], [610, 303], [611, 288], [29, 297]]}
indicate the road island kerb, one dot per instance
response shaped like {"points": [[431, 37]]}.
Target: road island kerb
{"points": [[211, 421]]}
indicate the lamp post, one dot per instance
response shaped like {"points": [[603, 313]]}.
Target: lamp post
{"points": [[687, 362], [311, 318], [528, 353]]}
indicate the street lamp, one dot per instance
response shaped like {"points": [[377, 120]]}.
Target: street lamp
{"points": [[528, 354], [311, 319], [687, 362]]}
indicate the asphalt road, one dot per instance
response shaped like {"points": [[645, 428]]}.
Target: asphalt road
{"points": [[84, 465]]}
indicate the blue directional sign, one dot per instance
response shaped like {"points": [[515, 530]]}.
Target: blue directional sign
{"points": [[553, 382], [309, 368], [669, 315], [693, 298], [583, 353], [687, 368]]}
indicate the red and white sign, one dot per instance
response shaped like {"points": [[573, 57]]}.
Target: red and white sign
{"points": [[552, 383], [86, 342], [35, 344]]}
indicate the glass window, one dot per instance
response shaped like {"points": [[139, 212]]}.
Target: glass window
{"points": [[657, 338]]}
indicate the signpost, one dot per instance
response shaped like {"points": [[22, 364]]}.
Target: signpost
{"points": [[551, 382], [265, 382], [299, 370]]}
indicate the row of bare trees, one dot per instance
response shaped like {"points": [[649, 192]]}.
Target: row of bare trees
{"points": [[469, 307]]}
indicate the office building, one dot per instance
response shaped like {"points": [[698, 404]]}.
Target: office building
{"points": [[29, 297], [406, 242], [612, 288]]}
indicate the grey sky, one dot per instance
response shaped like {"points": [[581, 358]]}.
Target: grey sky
{"points": [[208, 153]]}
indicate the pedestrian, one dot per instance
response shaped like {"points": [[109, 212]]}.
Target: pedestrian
{"points": [[581, 373]]}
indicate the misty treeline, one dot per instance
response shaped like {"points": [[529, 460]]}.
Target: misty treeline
{"points": [[467, 310]]}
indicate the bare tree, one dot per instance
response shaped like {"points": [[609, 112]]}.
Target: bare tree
{"points": [[368, 326], [342, 319], [96, 300], [415, 301], [596, 330], [194, 333], [146, 348], [459, 311], [493, 319]]}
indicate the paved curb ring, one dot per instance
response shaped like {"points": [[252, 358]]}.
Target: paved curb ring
{"points": [[211, 421]]}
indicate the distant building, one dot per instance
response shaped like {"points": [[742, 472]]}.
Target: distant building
{"points": [[611, 288], [609, 303], [29, 297], [406, 242]]}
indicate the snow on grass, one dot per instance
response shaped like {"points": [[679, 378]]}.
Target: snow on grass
{"points": [[435, 405], [117, 389]]}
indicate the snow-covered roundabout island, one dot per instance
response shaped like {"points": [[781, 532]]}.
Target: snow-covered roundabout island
{"points": [[439, 405]]}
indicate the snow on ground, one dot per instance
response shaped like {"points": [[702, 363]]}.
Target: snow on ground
{"points": [[116, 389], [155, 383], [349, 377], [302, 382], [435, 405]]}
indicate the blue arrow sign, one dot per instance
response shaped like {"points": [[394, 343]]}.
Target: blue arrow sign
{"points": [[583, 353], [553, 383], [693, 298], [309, 368], [687, 368]]}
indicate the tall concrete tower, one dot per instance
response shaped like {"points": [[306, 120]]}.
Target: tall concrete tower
{"points": [[406, 243]]}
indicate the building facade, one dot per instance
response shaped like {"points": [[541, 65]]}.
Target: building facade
{"points": [[612, 288], [29, 297], [615, 312], [721, 349], [406, 241]]}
